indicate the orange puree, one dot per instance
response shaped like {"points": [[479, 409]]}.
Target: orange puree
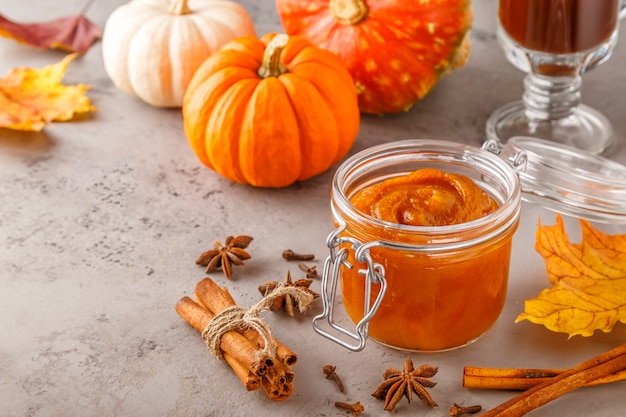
{"points": [[438, 300], [426, 197]]}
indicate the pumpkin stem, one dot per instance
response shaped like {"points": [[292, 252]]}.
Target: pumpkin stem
{"points": [[272, 66], [179, 7], [348, 12]]}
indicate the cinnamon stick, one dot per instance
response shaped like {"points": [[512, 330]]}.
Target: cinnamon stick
{"points": [[250, 381], [520, 379], [231, 342], [216, 299], [615, 377], [597, 367], [193, 313], [198, 317], [278, 382], [240, 347]]}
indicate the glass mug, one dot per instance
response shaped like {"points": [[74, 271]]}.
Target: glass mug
{"points": [[555, 42]]}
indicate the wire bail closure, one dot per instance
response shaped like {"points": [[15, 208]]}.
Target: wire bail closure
{"points": [[374, 274], [518, 161]]}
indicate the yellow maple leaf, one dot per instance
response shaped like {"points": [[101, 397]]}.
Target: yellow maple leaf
{"points": [[30, 98], [588, 281]]}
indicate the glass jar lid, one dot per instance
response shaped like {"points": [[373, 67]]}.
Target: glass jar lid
{"points": [[567, 180]]}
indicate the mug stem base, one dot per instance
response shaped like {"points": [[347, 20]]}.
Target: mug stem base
{"points": [[584, 128]]}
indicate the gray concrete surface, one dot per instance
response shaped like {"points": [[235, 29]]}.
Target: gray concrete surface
{"points": [[101, 220]]}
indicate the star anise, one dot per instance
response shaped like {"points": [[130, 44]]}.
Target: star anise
{"points": [[287, 302], [399, 383], [225, 256]]}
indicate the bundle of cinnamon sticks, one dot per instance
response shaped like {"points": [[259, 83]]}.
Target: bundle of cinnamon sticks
{"points": [[243, 349]]}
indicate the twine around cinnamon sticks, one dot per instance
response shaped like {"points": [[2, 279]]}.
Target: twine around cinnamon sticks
{"points": [[240, 337]]}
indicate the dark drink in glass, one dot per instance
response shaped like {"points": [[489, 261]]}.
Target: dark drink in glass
{"points": [[559, 26], [555, 42]]}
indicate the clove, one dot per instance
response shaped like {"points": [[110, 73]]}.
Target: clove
{"points": [[329, 371], [355, 408], [290, 255], [457, 411], [311, 271]]}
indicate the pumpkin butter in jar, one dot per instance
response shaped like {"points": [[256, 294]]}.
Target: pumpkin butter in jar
{"points": [[434, 220], [426, 197]]}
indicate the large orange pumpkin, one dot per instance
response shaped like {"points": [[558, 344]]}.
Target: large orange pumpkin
{"points": [[271, 111], [396, 51]]}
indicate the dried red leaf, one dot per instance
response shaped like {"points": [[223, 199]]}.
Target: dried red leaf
{"points": [[73, 33]]}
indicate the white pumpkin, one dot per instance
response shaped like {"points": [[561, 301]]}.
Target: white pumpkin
{"points": [[151, 48]]}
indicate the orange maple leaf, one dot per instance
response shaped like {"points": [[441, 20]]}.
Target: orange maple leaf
{"points": [[588, 281], [30, 98]]}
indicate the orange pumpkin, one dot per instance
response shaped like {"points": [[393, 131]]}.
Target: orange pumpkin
{"points": [[396, 51], [271, 111]]}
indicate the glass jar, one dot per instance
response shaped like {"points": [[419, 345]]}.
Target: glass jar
{"points": [[421, 288]]}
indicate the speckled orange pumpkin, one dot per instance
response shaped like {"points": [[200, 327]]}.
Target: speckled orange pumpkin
{"points": [[271, 111], [396, 51]]}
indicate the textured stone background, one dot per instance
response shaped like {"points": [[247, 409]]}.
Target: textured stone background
{"points": [[101, 220]]}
